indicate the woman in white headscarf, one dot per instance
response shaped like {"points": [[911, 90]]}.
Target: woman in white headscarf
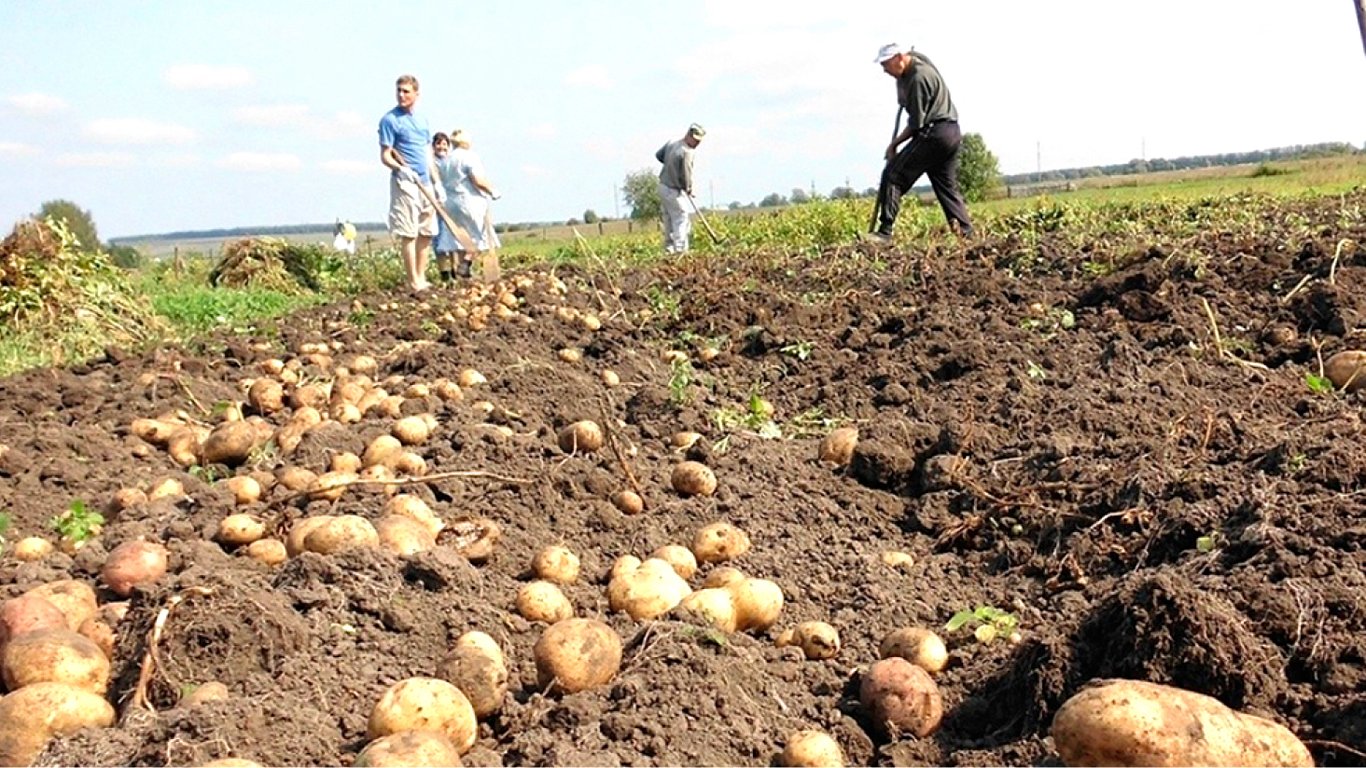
{"points": [[468, 193]]}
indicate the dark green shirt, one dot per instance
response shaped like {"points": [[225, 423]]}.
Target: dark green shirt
{"points": [[922, 92]]}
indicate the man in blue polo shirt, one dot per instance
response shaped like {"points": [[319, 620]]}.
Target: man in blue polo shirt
{"points": [[404, 148]]}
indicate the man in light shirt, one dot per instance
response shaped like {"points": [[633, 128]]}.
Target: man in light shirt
{"points": [[675, 184]]}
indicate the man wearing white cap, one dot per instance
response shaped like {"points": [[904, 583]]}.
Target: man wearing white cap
{"points": [[675, 183], [932, 130]]}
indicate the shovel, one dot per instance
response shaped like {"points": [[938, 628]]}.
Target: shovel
{"points": [[714, 237], [461, 236], [882, 185], [489, 267]]}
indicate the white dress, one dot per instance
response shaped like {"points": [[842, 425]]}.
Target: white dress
{"points": [[464, 202]]}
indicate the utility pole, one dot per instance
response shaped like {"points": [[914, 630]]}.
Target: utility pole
{"points": [[1038, 160], [616, 206], [711, 193]]}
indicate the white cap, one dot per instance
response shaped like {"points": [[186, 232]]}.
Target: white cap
{"points": [[887, 51]]}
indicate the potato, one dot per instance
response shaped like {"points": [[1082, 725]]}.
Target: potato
{"points": [[410, 506], [75, 599], [811, 749], [183, 445], [447, 390], [758, 603], [238, 529], [647, 591], [309, 396], [411, 464], [476, 666], [245, 489], [712, 605], [298, 533], [155, 431], [900, 697], [229, 443], [266, 396], [556, 564], [693, 478], [682, 441], [32, 715], [680, 557], [471, 378], [55, 656], [424, 704], [271, 552], [363, 364], [1133, 722], [576, 655], [411, 430], [127, 498], [101, 632], [231, 762], [610, 378], [722, 577], [719, 542], [31, 549], [168, 488], [28, 613], [629, 502], [330, 486], [838, 446], [345, 462], [581, 436], [816, 639], [920, 646], [340, 534], [409, 748], [1347, 369], [403, 536], [543, 601], [622, 565], [204, 693], [134, 563], [295, 478]]}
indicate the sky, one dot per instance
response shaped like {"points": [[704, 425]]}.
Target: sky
{"points": [[165, 115]]}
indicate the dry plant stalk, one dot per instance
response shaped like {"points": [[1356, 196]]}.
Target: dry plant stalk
{"points": [[150, 661]]}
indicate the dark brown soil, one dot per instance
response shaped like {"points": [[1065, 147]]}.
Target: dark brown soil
{"points": [[1069, 448]]}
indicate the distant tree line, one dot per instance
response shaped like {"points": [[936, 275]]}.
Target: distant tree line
{"points": [[1297, 152]]}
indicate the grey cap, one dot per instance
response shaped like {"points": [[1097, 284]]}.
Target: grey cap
{"points": [[697, 130]]}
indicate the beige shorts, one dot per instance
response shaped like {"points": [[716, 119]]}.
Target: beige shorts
{"points": [[411, 214]]}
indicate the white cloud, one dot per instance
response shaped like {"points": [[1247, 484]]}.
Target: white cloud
{"points": [[260, 161], [133, 130], [95, 159], [15, 149], [536, 171], [590, 76], [36, 104], [350, 167], [201, 77], [181, 160], [271, 115]]}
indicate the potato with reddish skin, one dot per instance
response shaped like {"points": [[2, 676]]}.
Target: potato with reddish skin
{"points": [[134, 563], [900, 697], [28, 613], [75, 599], [1134, 722]]}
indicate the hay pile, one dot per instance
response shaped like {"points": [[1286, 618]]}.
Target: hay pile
{"points": [[74, 302], [268, 263]]}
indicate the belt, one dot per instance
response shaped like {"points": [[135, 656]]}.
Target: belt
{"points": [[932, 124]]}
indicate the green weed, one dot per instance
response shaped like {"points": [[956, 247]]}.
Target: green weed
{"points": [[78, 523], [986, 622]]}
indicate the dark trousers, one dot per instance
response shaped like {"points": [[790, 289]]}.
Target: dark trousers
{"points": [[933, 151]]}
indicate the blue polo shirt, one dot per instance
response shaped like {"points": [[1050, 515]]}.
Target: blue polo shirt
{"points": [[409, 135]]}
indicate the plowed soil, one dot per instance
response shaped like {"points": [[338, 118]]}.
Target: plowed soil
{"points": [[1066, 443]]}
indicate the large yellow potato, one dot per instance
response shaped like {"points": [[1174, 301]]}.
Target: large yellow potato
{"points": [[32, 715], [556, 564], [403, 536], [408, 505], [424, 704], [678, 556], [713, 605], [577, 654], [693, 478], [229, 443], [55, 656], [648, 590], [581, 436], [543, 601], [409, 749], [299, 531], [340, 534], [816, 639], [758, 603], [1134, 722]]}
